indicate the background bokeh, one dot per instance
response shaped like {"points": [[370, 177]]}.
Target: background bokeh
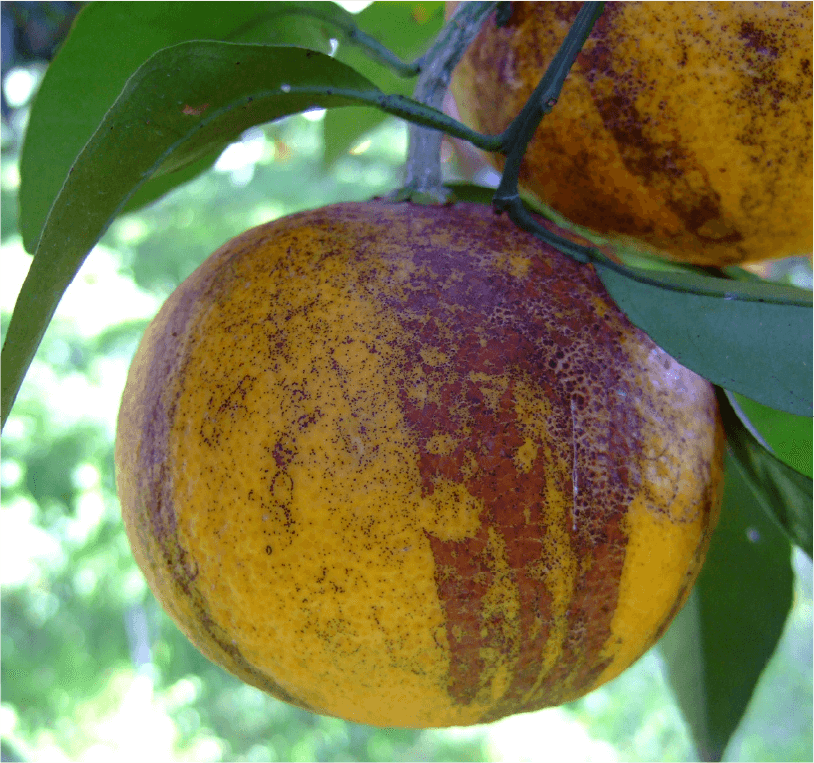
{"points": [[92, 669]]}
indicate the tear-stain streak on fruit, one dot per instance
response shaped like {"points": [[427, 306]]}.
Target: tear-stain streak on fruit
{"points": [[683, 128], [409, 466]]}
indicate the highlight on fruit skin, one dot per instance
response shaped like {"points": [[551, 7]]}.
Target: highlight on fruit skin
{"points": [[683, 129], [410, 466]]}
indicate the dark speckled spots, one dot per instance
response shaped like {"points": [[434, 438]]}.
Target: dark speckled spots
{"points": [[428, 493], [538, 329], [683, 126], [644, 157], [761, 40]]}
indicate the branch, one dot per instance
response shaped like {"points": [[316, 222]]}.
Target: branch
{"points": [[423, 168]]}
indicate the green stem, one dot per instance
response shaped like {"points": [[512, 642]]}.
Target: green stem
{"points": [[414, 112], [377, 51], [353, 35], [714, 286], [518, 134], [513, 206]]}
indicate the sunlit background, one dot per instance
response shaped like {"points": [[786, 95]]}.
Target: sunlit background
{"points": [[92, 670]]}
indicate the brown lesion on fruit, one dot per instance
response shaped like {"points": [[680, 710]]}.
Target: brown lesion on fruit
{"points": [[769, 93], [709, 504], [556, 341], [176, 568], [284, 451], [234, 401], [146, 435], [763, 42], [662, 164]]}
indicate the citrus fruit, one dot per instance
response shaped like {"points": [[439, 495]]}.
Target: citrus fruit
{"points": [[683, 129], [409, 466]]}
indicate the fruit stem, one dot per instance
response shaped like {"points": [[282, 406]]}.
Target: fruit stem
{"points": [[517, 135], [423, 167], [353, 35], [378, 52]]}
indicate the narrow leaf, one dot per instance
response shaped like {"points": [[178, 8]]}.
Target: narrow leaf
{"points": [[107, 44], [722, 639], [345, 128], [185, 103], [752, 338], [158, 185], [783, 493]]}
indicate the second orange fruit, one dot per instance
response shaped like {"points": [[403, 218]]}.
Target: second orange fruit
{"points": [[683, 128]]}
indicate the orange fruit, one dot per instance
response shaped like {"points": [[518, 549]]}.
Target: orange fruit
{"points": [[683, 129], [409, 466]]}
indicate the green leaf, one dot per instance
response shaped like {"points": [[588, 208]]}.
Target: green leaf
{"points": [[345, 128], [406, 29], [789, 437], [108, 43], [720, 642], [181, 106], [737, 273], [783, 493], [752, 338], [159, 185]]}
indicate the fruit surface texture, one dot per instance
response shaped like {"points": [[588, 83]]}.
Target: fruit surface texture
{"points": [[683, 129], [409, 466]]}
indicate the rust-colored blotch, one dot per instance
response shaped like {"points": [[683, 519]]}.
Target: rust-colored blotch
{"points": [[683, 129], [410, 466]]}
